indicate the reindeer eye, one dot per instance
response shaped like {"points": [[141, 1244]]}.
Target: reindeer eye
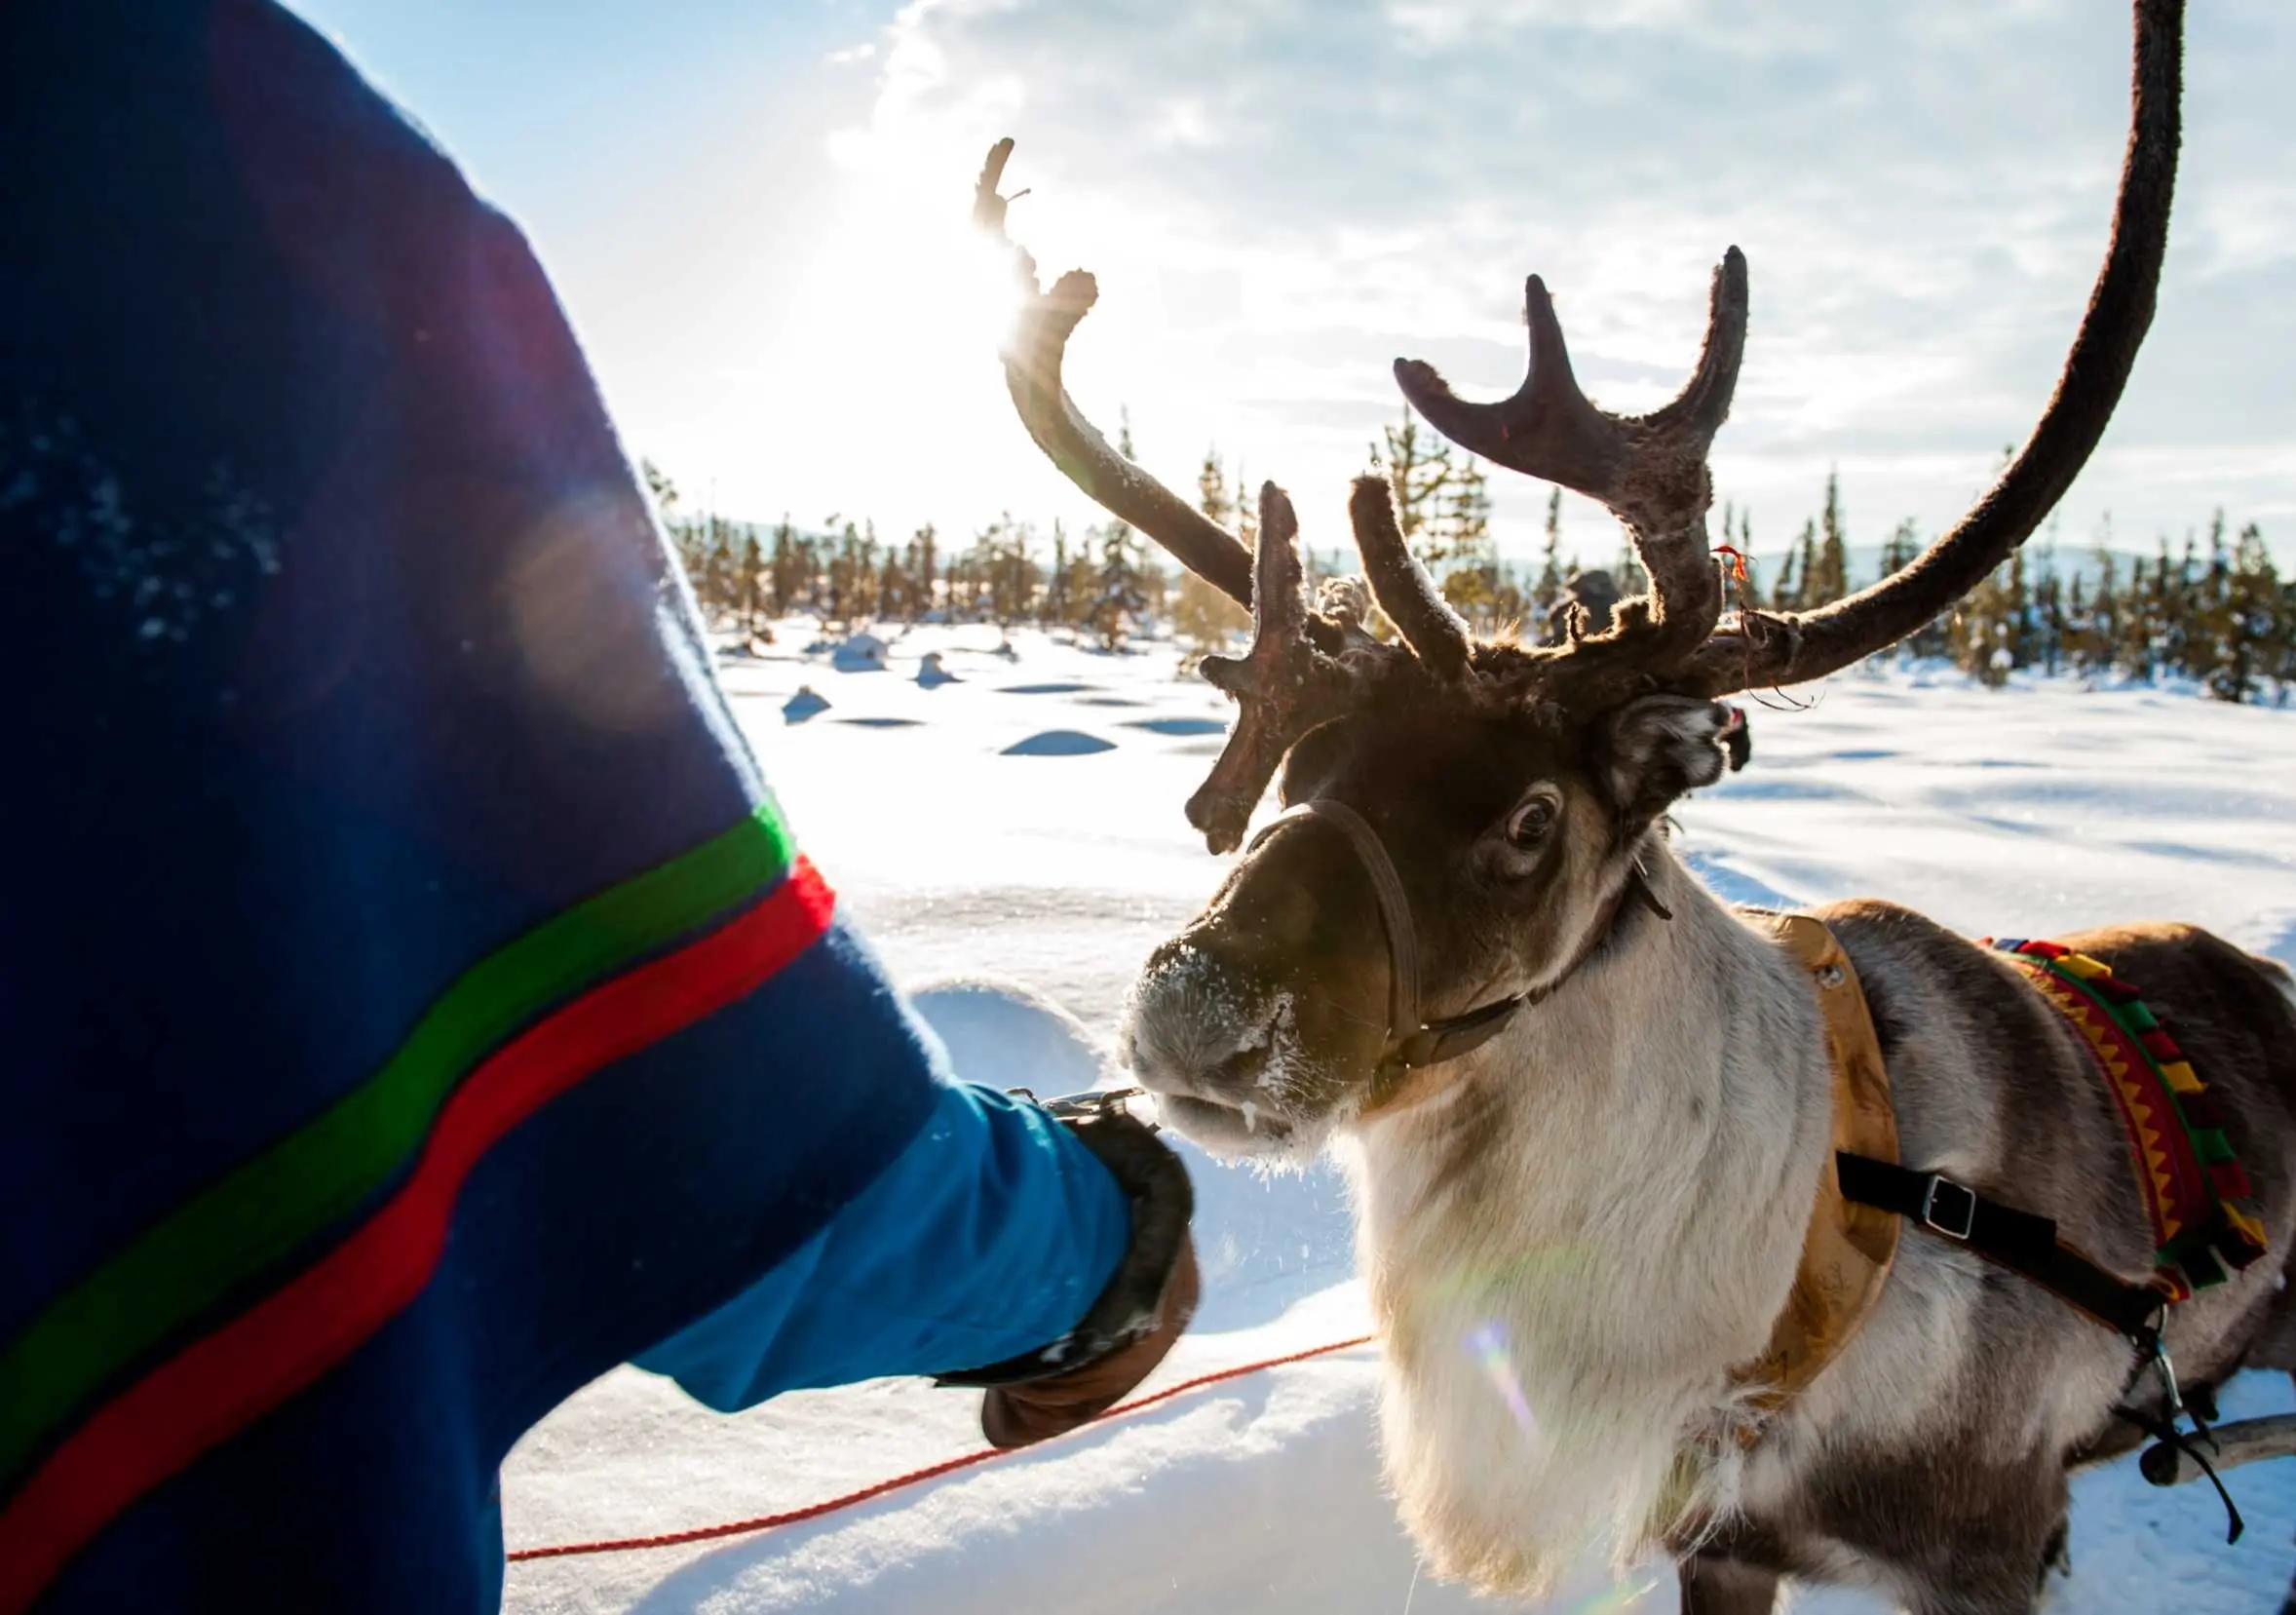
{"points": [[1528, 827]]}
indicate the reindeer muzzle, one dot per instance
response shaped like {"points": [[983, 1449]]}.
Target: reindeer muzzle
{"points": [[1411, 1043]]}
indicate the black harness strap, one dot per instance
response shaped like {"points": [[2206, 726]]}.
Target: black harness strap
{"points": [[2020, 1241], [2027, 1244], [1411, 1042], [1394, 910]]}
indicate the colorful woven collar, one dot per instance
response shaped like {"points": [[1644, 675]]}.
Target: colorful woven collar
{"points": [[2191, 1182]]}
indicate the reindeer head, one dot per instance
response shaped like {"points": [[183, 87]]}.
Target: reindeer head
{"points": [[1471, 816]]}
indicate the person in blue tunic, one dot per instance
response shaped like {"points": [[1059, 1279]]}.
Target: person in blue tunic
{"points": [[411, 1001]]}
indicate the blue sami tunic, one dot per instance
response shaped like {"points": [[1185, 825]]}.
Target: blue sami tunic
{"points": [[411, 1001]]}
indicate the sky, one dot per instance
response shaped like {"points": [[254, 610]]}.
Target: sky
{"points": [[757, 217]]}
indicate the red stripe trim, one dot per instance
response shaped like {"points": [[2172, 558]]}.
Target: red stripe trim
{"points": [[224, 1381]]}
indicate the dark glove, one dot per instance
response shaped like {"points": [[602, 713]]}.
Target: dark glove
{"points": [[1133, 1323]]}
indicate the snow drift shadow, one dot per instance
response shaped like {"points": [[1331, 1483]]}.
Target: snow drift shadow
{"points": [[1178, 725], [1059, 743], [1733, 885]]}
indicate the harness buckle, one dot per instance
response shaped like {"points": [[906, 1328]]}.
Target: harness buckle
{"points": [[1947, 1208], [2166, 1370]]}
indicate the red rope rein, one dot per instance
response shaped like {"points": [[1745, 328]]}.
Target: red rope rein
{"points": [[932, 1471]]}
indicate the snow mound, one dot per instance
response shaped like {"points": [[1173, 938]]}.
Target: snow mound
{"points": [[1059, 743], [1178, 725], [932, 673], [1004, 1035], [859, 653], [805, 704]]}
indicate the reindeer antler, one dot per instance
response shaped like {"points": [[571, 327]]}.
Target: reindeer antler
{"points": [[1793, 649], [1032, 374], [1648, 468], [1651, 470], [1401, 585], [1306, 666], [1284, 686]]}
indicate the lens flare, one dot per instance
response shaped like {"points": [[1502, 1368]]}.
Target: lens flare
{"points": [[1486, 1343], [1612, 1599]]}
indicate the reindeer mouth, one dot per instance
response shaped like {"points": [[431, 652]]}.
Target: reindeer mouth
{"points": [[1224, 1101], [1243, 1127]]}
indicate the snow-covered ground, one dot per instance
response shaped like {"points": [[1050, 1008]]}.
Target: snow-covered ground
{"points": [[971, 830]]}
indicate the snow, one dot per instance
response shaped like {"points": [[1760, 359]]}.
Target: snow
{"points": [[2030, 810], [860, 652]]}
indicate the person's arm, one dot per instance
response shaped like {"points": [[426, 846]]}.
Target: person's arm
{"points": [[416, 999], [998, 1250], [989, 1236]]}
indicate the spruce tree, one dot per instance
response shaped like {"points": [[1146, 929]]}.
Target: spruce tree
{"points": [[1120, 602], [2249, 619], [1471, 580], [1417, 466], [1549, 589], [1795, 577], [922, 564], [1206, 618], [752, 581], [1825, 573], [2101, 642], [1211, 489], [1053, 610]]}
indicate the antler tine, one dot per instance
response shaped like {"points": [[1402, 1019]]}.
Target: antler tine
{"points": [[1791, 649], [1284, 686], [1547, 429], [1401, 585], [1704, 404], [1032, 375], [1649, 470]]}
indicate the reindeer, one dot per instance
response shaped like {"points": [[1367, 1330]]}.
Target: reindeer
{"points": [[1585, 1188]]}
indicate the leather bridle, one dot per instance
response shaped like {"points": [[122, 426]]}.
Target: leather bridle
{"points": [[1412, 1043]]}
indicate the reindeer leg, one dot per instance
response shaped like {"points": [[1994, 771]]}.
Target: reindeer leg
{"points": [[1715, 1585], [2058, 1555]]}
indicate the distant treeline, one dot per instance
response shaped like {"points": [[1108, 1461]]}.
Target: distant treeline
{"points": [[745, 574], [2214, 611]]}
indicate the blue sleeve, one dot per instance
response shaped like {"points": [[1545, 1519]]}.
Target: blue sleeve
{"points": [[989, 1236]]}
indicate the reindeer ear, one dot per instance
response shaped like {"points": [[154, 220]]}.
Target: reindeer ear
{"points": [[1653, 750]]}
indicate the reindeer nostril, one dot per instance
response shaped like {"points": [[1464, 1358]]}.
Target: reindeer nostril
{"points": [[1244, 1070]]}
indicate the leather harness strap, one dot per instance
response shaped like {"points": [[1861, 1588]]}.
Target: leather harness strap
{"points": [[2023, 1242], [1395, 906], [1848, 1247], [1412, 1044]]}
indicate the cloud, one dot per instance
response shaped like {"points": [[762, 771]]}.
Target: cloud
{"points": [[1281, 196]]}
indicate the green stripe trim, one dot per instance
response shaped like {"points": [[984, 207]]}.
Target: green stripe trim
{"points": [[231, 1232], [2118, 1015]]}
